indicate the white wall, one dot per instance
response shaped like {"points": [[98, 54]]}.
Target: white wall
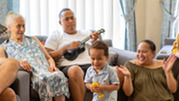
{"points": [[148, 21]]}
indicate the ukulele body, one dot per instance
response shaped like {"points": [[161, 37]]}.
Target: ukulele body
{"points": [[73, 54]]}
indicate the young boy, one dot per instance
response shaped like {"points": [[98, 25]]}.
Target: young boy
{"points": [[102, 73]]}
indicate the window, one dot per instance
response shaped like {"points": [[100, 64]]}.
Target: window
{"points": [[177, 28], [42, 17]]}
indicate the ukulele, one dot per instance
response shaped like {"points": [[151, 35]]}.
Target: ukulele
{"points": [[73, 54]]}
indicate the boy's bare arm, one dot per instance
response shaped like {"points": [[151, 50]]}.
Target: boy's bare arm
{"points": [[89, 86], [111, 87]]}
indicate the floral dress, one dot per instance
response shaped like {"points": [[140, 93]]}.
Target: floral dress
{"points": [[47, 84]]}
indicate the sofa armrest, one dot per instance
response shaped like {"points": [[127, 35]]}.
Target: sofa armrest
{"points": [[123, 55], [22, 85], [165, 52], [169, 41]]}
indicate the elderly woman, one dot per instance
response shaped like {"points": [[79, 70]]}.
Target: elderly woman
{"points": [[46, 79], [146, 79]]}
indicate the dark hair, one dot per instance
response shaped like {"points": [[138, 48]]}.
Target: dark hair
{"points": [[151, 43], [64, 9], [100, 45]]}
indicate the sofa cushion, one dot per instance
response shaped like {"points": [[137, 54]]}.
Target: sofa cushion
{"points": [[41, 38], [2, 40], [112, 58], [123, 56], [18, 98]]}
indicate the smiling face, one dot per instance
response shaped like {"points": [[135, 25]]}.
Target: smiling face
{"points": [[68, 22], [98, 59], [144, 54], [17, 27]]}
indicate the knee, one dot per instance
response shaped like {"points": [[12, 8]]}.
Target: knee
{"points": [[13, 64], [9, 93], [75, 72]]}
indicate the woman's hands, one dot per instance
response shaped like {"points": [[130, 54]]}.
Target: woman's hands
{"points": [[124, 71], [25, 65], [167, 65], [52, 69]]}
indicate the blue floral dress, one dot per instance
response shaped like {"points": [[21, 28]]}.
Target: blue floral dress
{"points": [[47, 84]]}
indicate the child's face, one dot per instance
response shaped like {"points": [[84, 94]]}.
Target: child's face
{"points": [[98, 59]]}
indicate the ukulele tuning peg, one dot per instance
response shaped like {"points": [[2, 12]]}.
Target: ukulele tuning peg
{"points": [[101, 30]]}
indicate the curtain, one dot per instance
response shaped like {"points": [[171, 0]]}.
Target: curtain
{"points": [[128, 9], [42, 17], [170, 10], [6, 6]]}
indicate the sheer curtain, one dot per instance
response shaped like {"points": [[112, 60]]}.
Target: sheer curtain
{"points": [[128, 9], [42, 17], [6, 6], [170, 18], [177, 27]]}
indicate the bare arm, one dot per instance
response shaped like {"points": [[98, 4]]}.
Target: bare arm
{"points": [[57, 54], [2, 55], [111, 87], [95, 36], [88, 85], [171, 82], [102, 87], [48, 57], [167, 66], [127, 85]]}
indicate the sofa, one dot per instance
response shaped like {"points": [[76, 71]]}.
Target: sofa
{"points": [[26, 93], [165, 52], [117, 57]]}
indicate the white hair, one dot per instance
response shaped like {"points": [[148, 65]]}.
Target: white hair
{"points": [[10, 18]]}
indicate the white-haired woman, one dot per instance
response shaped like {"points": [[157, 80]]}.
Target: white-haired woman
{"points": [[46, 79]]}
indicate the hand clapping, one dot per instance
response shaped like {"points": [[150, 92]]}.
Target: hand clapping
{"points": [[124, 71], [167, 65]]}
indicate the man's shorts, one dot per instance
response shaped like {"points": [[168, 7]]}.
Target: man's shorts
{"points": [[64, 69]]}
